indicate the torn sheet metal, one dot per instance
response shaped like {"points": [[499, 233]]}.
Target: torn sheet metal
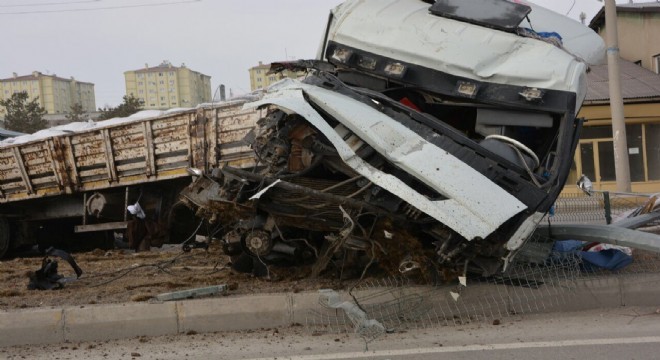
{"points": [[473, 214]]}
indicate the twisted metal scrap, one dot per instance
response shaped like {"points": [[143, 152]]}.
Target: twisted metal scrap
{"points": [[368, 329]]}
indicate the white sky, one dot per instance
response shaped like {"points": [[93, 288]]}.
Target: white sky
{"points": [[220, 38]]}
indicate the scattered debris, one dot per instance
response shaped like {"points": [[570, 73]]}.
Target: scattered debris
{"points": [[194, 293], [47, 277], [368, 329]]}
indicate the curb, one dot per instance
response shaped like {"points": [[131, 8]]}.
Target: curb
{"points": [[231, 313]]}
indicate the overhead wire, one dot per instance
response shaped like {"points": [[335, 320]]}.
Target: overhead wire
{"points": [[99, 8], [50, 3]]}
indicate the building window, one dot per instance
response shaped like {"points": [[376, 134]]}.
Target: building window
{"points": [[141, 91], [656, 63], [171, 73], [653, 150], [162, 82], [160, 74], [140, 83], [597, 153]]}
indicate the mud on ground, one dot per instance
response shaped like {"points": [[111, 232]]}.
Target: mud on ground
{"points": [[124, 276]]}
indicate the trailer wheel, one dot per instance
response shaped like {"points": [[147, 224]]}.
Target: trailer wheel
{"points": [[4, 237]]}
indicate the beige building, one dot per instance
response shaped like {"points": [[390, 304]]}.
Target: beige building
{"points": [[166, 86], [638, 27], [54, 94], [260, 79], [594, 155]]}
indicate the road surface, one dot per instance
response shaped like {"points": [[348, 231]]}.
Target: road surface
{"points": [[622, 333]]}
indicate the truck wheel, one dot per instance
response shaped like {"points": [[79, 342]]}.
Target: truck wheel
{"points": [[4, 236]]}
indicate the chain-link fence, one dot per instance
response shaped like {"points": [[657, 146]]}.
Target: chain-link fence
{"points": [[599, 208], [539, 279]]}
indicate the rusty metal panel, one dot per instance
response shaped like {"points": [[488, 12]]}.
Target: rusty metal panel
{"points": [[126, 154], [172, 160], [198, 141], [44, 181], [178, 121], [12, 173], [110, 158], [132, 166], [93, 172], [122, 140], [231, 129], [163, 139], [149, 149], [91, 160], [21, 169], [170, 147], [91, 145], [7, 162], [129, 153]]}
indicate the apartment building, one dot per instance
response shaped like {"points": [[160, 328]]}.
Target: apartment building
{"points": [[260, 79], [55, 94], [166, 86], [638, 27]]}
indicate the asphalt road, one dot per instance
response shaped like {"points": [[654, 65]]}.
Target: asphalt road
{"points": [[622, 333]]}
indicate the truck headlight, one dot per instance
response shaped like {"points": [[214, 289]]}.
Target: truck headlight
{"points": [[342, 55], [395, 69]]}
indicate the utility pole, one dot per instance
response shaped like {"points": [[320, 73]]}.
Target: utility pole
{"points": [[621, 163]]}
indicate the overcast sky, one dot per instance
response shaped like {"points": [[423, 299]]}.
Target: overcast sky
{"points": [[220, 38]]}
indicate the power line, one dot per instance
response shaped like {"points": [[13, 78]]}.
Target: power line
{"points": [[98, 8], [50, 4]]}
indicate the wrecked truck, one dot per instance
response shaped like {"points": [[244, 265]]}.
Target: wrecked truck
{"points": [[425, 135], [70, 186]]}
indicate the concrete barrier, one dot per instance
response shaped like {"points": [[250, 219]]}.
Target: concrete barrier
{"points": [[234, 313], [33, 326], [114, 321]]}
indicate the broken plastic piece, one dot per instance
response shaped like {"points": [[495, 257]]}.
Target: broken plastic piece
{"points": [[263, 191], [462, 280], [136, 210]]}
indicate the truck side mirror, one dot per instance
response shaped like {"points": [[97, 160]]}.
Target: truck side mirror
{"points": [[585, 184]]}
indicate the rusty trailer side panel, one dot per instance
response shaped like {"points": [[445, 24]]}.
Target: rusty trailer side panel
{"points": [[128, 153]]}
